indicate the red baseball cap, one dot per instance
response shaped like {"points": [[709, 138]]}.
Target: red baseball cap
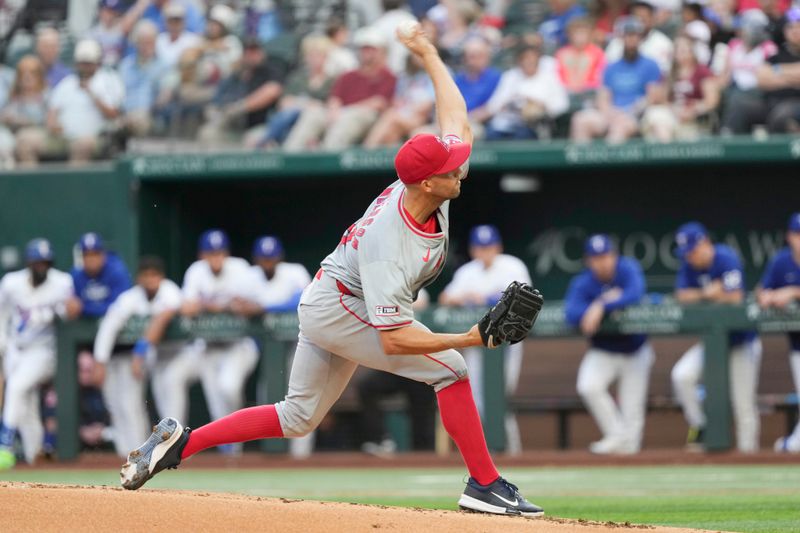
{"points": [[426, 155]]}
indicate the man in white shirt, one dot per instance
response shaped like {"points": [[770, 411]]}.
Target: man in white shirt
{"points": [[394, 14], [527, 95], [655, 44], [173, 42], [480, 283], [213, 284], [123, 374], [33, 297], [82, 105]]}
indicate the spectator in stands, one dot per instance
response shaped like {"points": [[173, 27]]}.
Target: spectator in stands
{"points": [[158, 12], [624, 93], [221, 49], [780, 80], [605, 14], [526, 99], [357, 99], [242, 100], [608, 283], [112, 28], [394, 14], [183, 95], [306, 87], [374, 386], [101, 278], [746, 54], [713, 273], [22, 118], [581, 62], [681, 108], [774, 10], [554, 27], [410, 109], [80, 110], [340, 58], [141, 74], [478, 79], [173, 42], [779, 288], [480, 282], [48, 50], [696, 27], [457, 22], [655, 44]]}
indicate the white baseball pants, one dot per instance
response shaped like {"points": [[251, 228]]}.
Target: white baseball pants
{"points": [[124, 397], [26, 370], [744, 365], [794, 360], [598, 370]]}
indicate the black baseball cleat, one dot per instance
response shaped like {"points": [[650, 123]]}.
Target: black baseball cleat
{"points": [[160, 451], [500, 497]]}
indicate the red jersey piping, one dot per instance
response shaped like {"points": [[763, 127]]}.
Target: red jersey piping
{"points": [[412, 225]]}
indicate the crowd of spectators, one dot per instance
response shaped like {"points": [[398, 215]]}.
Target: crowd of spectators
{"points": [[329, 75]]}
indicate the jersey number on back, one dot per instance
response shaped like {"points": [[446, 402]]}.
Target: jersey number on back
{"points": [[357, 230]]}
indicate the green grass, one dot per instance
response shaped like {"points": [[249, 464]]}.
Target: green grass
{"points": [[728, 498]]}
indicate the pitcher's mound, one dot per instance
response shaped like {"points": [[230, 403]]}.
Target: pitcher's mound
{"points": [[38, 507]]}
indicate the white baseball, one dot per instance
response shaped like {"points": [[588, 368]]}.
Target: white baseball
{"points": [[407, 29]]}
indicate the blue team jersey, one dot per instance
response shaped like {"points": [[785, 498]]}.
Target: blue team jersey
{"points": [[628, 81], [783, 271], [585, 288], [99, 292], [727, 268]]}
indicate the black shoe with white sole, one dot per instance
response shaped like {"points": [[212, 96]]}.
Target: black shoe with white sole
{"points": [[160, 451], [500, 497]]}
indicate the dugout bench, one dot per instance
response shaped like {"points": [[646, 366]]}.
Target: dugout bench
{"points": [[273, 332]]}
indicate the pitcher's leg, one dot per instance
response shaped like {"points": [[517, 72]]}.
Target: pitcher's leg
{"points": [[316, 382]]}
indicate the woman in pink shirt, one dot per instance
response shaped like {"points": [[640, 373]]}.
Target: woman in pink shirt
{"points": [[581, 62]]}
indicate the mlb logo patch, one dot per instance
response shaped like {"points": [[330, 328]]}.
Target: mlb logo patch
{"points": [[386, 310]]}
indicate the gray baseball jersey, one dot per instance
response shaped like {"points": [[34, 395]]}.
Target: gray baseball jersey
{"points": [[385, 258]]}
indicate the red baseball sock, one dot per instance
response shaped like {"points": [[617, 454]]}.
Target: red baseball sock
{"points": [[461, 420], [246, 424]]}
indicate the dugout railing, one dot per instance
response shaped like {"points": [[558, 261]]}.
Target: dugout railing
{"points": [[274, 332]]}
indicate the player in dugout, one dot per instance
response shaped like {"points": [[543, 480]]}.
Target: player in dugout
{"points": [[357, 311]]}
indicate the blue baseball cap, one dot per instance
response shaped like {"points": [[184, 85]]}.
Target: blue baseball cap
{"points": [[39, 250], [91, 242], [214, 240], [484, 235], [598, 244], [688, 236], [794, 222], [267, 247]]}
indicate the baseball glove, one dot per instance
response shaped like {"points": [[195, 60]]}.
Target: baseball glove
{"points": [[512, 318]]}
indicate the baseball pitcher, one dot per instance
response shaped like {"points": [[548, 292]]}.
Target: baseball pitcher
{"points": [[357, 311]]}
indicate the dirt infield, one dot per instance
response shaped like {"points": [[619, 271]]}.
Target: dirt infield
{"points": [[41, 508]]}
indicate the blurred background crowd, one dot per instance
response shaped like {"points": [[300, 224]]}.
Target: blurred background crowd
{"points": [[82, 81]]}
